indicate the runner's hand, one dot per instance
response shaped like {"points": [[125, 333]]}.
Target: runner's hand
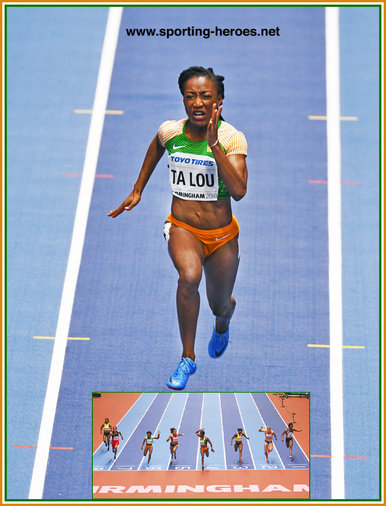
{"points": [[211, 132], [128, 204]]}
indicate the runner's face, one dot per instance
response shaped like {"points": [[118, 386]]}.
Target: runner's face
{"points": [[200, 94]]}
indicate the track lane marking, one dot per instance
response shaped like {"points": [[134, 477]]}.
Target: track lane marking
{"points": [[143, 459], [273, 444], [178, 428], [346, 346], [76, 248], [243, 425], [346, 457], [335, 251], [324, 181], [342, 118], [127, 439]]}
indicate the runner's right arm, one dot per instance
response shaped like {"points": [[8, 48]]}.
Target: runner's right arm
{"points": [[152, 157]]}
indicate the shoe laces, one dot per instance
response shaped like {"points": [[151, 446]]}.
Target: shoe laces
{"points": [[183, 368]]}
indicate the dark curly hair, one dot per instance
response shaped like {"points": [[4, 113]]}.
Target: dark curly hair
{"points": [[201, 71]]}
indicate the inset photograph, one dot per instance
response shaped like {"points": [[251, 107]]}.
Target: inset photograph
{"points": [[233, 445]]}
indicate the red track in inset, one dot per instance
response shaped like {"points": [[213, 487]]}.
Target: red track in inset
{"points": [[113, 406], [300, 406]]}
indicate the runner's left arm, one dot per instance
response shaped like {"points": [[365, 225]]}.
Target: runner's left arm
{"points": [[232, 168]]}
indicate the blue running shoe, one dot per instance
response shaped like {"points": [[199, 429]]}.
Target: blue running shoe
{"points": [[218, 342], [179, 378]]}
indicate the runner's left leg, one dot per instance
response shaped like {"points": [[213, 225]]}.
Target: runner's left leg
{"points": [[220, 273]]}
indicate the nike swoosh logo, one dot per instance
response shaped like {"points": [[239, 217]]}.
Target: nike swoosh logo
{"points": [[219, 353], [220, 238], [177, 147]]}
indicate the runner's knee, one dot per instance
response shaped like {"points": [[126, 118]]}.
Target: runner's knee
{"points": [[220, 308], [189, 279]]}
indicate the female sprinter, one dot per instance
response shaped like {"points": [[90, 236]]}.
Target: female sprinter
{"points": [[239, 442], [115, 440], [173, 438], [106, 426], [289, 437], [206, 168], [149, 444], [268, 442], [204, 450]]}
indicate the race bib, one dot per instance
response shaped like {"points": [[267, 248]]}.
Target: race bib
{"points": [[193, 177]]}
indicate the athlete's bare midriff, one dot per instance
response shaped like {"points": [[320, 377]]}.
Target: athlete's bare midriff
{"points": [[202, 215]]}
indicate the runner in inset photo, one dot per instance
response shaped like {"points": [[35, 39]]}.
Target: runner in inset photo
{"points": [[149, 444], [204, 449], [115, 440], [239, 442], [106, 426], [268, 442], [289, 437], [173, 438]]}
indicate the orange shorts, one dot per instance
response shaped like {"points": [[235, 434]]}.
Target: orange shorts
{"points": [[211, 239]]}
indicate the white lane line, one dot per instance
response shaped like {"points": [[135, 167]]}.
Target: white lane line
{"points": [[222, 432], [335, 251], [198, 442], [75, 255], [143, 460], [243, 425], [178, 427], [132, 432], [266, 425]]}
